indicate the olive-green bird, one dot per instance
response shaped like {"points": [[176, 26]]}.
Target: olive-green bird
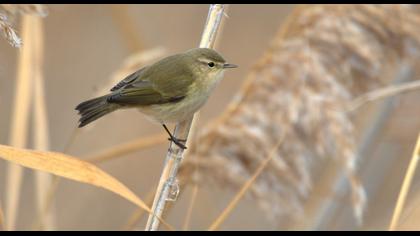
{"points": [[169, 91]]}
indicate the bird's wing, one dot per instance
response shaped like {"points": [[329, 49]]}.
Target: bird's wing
{"points": [[127, 80], [146, 88], [145, 95], [176, 80]]}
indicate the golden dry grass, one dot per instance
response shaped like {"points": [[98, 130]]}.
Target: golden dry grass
{"points": [[412, 167], [220, 219], [71, 168]]}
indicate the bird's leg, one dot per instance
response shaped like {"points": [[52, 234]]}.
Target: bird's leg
{"points": [[174, 139]]}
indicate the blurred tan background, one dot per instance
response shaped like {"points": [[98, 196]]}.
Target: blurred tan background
{"points": [[85, 45]]}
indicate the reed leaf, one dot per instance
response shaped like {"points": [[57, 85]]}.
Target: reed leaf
{"points": [[70, 168]]}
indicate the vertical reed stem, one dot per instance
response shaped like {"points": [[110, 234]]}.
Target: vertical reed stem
{"points": [[19, 126], [2, 226], [406, 186], [40, 122], [167, 183]]}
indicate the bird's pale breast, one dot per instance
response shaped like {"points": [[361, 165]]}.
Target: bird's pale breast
{"points": [[182, 110]]}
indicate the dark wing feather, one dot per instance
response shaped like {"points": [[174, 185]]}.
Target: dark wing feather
{"points": [[127, 80], [141, 96]]}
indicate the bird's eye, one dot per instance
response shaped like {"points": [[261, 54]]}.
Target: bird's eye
{"points": [[210, 64]]}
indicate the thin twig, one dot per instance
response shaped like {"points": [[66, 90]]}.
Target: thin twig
{"points": [[128, 147], [405, 186], [73, 135], [383, 93], [194, 193], [195, 185], [138, 213], [175, 154], [190, 207], [411, 210], [222, 217]]}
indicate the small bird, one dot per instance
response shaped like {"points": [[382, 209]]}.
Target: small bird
{"points": [[168, 91]]}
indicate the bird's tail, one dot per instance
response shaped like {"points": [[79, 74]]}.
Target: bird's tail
{"points": [[94, 109]]}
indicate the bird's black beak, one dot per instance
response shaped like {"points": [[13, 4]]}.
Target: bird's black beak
{"points": [[229, 66]]}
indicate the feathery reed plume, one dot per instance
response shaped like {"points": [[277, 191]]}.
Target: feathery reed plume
{"points": [[8, 32], [323, 57], [7, 14], [30, 9]]}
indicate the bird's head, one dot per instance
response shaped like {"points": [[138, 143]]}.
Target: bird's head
{"points": [[209, 62]]}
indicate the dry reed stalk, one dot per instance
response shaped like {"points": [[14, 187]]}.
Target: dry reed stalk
{"points": [[2, 225], [127, 26], [383, 93], [405, 186], [138, 213], [192, 137], [323, 57], [40, 122], [410, 213], [190, 208], [245, 187], [128, 147], [168, 184], [20, 116], [21, 100], [47, 203]]}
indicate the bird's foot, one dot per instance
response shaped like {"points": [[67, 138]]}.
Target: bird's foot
{"points": [[178, 142], [174, 139]]}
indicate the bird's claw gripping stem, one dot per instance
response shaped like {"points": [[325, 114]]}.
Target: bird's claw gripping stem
{"points": [[178, 142]]}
